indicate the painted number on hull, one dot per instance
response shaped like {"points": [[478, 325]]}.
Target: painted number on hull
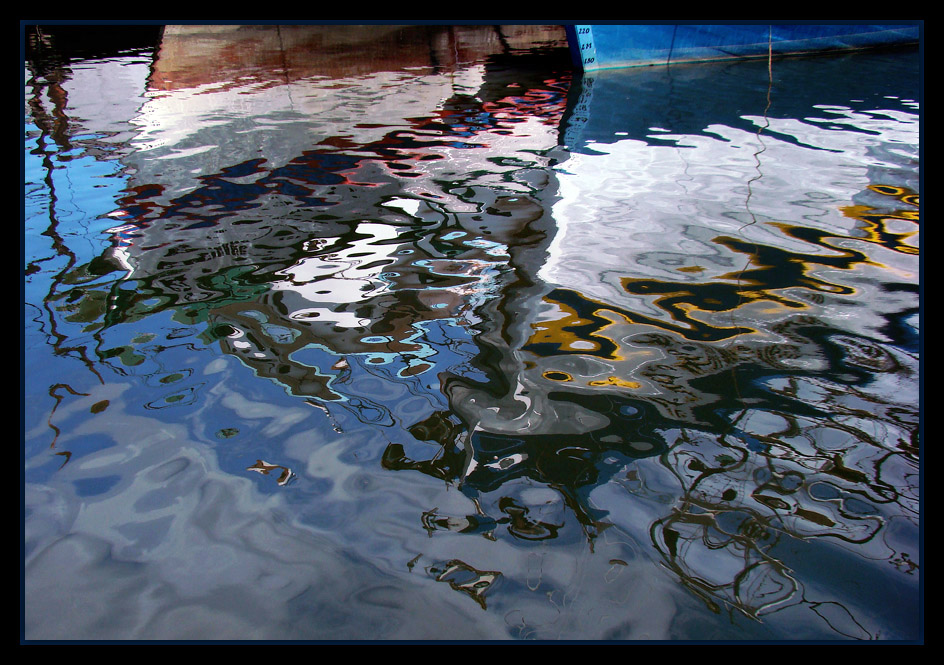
{"points": [[585, 39]]}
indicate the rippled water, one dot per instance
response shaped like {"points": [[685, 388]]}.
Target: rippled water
{"points": [[469, 346]]}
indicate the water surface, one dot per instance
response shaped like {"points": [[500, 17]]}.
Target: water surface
{"points": [[453, 343]]}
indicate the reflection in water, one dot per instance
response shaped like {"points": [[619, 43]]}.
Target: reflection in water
{"points": [[285, 473], [662, 359], [465, 579]]}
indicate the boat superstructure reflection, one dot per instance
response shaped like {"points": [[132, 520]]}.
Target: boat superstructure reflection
{"points": [[777, 339]]}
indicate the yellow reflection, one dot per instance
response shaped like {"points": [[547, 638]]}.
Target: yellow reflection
{"points": [[557, 375], [875, 222], [615, 381], [560, 331], [576, 332]]}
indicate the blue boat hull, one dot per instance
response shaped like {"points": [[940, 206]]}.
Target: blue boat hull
{"points": [[596, 47]]}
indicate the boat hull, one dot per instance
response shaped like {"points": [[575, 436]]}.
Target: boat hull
{"points": [[595, 47]]}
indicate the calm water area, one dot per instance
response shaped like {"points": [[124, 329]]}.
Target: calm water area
{"points": [[420, 334]]}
